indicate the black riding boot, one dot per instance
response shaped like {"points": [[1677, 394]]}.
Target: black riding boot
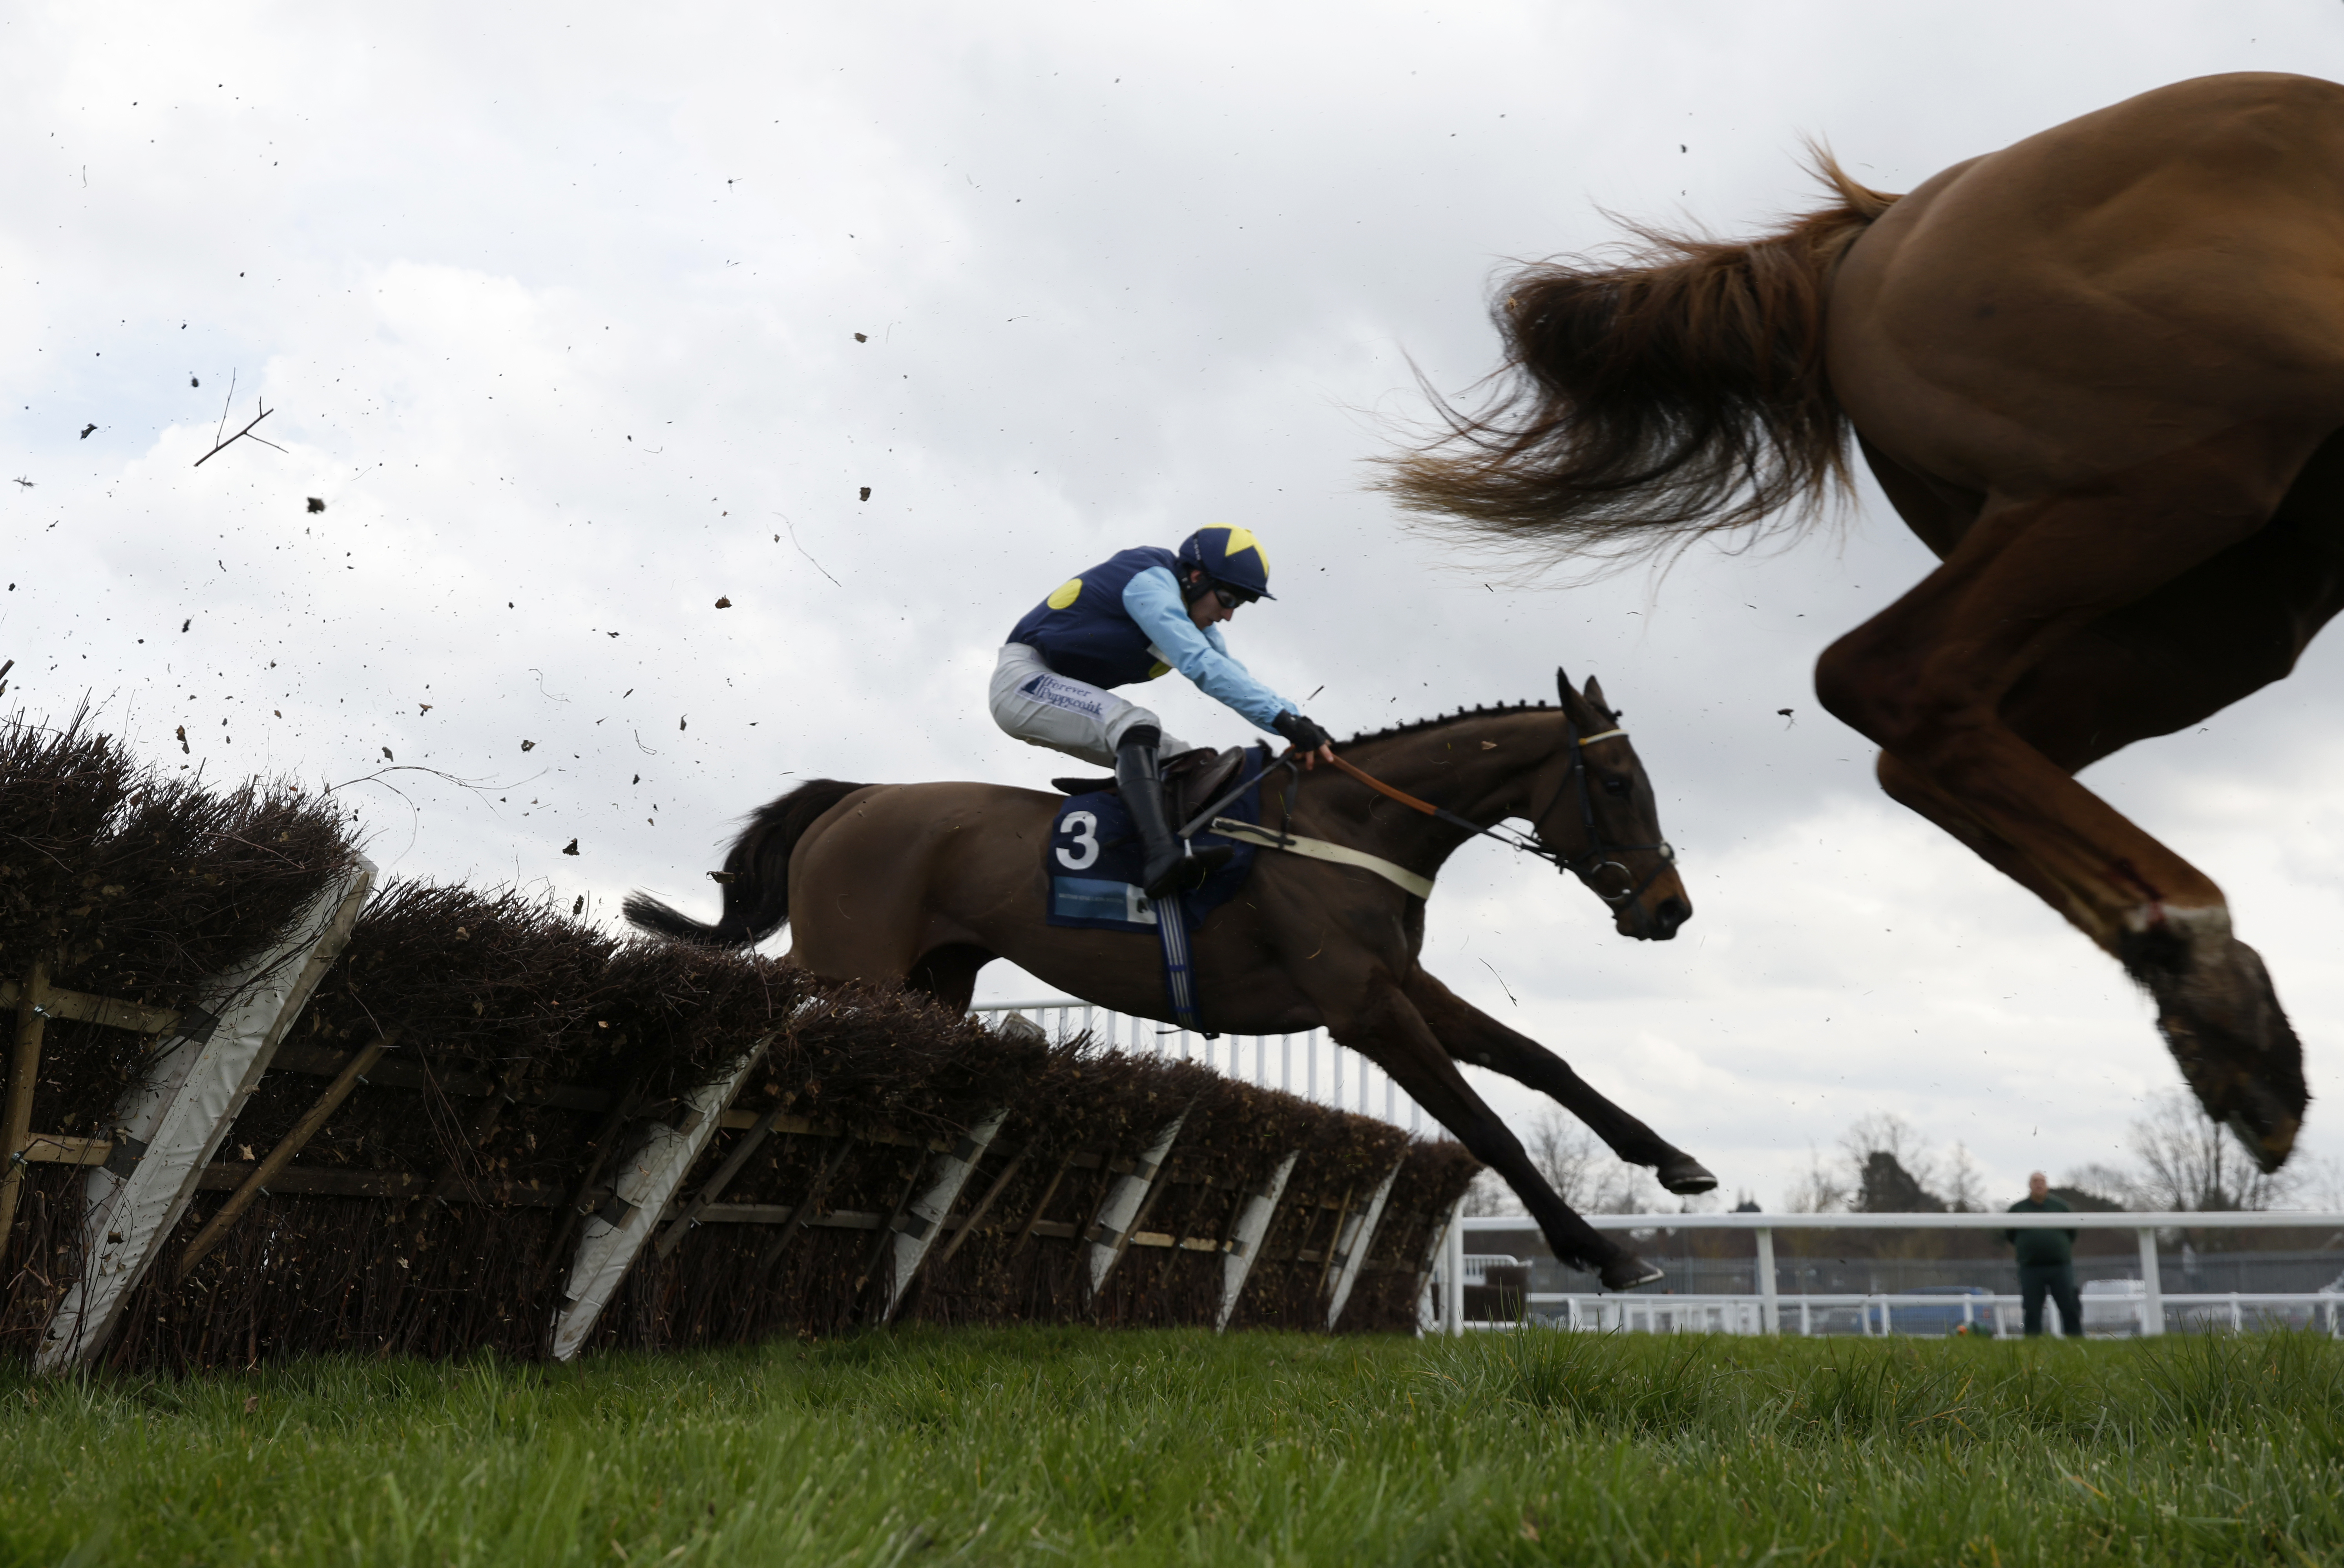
{"points": [[1169, 864]]}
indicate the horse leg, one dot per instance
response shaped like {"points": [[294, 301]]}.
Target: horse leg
{"points": [[2147, 671], [1386, 1027], [948, 973], [1469, 1034], [1938, 517], [1928, 679], [2212, 636]]}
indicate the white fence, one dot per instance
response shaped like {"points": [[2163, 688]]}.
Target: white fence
{"points": [[1871, 1316], [1311, 1065], [2147, 1309]]}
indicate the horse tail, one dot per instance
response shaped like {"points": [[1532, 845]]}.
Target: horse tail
{"points": [[756, 874], [1656, 395]]}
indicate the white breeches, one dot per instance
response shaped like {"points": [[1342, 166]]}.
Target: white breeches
{"points": [[1044, 708]]}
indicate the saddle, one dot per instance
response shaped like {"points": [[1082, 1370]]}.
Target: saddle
{"points": [[1191, 780]]}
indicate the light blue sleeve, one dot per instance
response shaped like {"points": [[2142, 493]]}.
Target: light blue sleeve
{"points": [[1152, 599]]}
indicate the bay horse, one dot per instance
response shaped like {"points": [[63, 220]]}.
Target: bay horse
{"points": [[2101, 374], [927, 883]]}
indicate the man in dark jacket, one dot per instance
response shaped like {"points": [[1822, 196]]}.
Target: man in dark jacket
{"points": [[2047, 1261]]}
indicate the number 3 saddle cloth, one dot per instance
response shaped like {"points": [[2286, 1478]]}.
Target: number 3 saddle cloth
{"points": [[1091, 861]]}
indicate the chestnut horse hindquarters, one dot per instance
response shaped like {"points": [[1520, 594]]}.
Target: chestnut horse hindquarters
{"points": [[2091, 370], [1990, 335], [2090, 301]]}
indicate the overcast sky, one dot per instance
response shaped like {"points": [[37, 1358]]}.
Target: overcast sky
{"points": [[556, 309]]}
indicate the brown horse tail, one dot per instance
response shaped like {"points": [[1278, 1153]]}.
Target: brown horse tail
{"points": [[756, 874], [1678, 391]]}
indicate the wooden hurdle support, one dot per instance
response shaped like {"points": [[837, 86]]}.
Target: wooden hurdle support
{"points": [[1125, 1207], [923, 1221], [648, 1179], [1252, 1222], [167, 1130]]}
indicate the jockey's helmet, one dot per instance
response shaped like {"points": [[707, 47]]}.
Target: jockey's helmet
{"points": [[1230, 557]]}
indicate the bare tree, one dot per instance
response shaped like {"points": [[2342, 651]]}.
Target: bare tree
{"points": [[1819, 1191], [1963, 1184], [2106, 1183], [1568, 1155], [1886, 1164], [1885, 1132], [1586, 1174], [2319, 1182], [1891, 1168], [2182, 1160], [1488, 1194]]}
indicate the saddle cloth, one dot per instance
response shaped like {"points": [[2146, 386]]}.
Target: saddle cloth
{"points": [[1091, 861]]}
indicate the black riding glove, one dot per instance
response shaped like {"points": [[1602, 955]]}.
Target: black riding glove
{"points": [[1301, 733]]}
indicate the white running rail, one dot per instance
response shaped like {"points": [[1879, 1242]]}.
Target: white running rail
{"points": [[1872, 1316], [1309, 1064], [2149, 1310]]}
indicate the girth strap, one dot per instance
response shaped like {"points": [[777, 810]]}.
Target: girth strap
{"points": [[1179, 969]]}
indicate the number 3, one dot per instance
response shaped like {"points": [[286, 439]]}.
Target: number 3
{"points": [[1078, 855]]}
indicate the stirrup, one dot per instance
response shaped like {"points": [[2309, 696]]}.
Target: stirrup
{"points": [[1188, 870]]}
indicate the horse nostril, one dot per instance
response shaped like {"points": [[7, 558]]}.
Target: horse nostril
{"points": [[1672, 913]]}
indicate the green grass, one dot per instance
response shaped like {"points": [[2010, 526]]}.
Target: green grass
{"points": [[1056, 1446]]}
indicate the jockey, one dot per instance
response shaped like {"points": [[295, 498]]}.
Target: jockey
{"points": [[1132, 617]]}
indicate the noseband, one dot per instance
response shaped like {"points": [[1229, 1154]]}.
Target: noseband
{"points": [[1599, 854]]}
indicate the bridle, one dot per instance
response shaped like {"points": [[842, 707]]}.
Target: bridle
{"points": [[1587, 867]]}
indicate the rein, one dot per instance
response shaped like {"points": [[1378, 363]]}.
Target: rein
{"points": [[1598, 852], [1586, 866]]}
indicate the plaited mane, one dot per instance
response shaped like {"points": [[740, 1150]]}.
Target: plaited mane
{"points": [[1438, 719]]}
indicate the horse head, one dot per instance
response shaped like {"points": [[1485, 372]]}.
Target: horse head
{"points": [[1605, 824]]}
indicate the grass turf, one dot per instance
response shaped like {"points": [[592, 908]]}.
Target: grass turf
{"points": [[1059, 1446]]}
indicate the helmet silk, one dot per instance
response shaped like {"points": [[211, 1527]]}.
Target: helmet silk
{"points": [[1230, 556]]}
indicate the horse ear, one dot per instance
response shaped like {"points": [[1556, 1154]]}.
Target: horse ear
{"points": [[1594, 694], [1573, 704]]}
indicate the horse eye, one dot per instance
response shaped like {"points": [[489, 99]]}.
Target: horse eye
{"points": [[1615, 787]]}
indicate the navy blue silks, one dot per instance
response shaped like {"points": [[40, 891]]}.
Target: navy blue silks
{"points": [[1082, 629]]}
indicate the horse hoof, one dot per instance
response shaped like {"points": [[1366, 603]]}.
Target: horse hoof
{"points": [[1626, 1272], [2263, 1115], [1685, 1175], [2221, 1019]]}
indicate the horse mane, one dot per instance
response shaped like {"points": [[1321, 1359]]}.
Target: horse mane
{"points": [[1669, 389], [1417, 726]]}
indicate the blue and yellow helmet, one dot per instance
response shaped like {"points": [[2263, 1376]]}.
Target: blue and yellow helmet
{"points": [[1230, 556]]}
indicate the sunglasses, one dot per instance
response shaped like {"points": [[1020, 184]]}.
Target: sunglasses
{"points": [[1232, 597]]}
